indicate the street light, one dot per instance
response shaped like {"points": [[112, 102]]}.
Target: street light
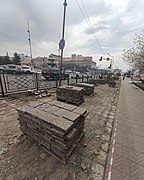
{"points": [[62, 42]]}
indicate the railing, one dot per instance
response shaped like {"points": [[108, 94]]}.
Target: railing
{"points": [[17, 83]]}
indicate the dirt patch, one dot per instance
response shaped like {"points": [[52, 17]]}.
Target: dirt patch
{"points": [[21, 159]]}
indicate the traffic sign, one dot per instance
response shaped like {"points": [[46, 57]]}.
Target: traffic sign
{"points": [[61, 44]]}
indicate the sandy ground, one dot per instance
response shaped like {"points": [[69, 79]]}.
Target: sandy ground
{"points": [[23, 160]]}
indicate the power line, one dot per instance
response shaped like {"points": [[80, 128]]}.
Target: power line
{"points": [[13, 37], [89, 23], [92, 28], [19, 39]]}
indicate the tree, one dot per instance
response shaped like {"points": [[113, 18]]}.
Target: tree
{"points": [[135, 55], [4, 60], [16, 59]]}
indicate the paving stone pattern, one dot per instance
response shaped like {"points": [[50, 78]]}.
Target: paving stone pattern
{"points": [[128, 161], [52, 127], [25, 160]]}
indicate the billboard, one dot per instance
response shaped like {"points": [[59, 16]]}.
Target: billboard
{"points": [[73, 56]]}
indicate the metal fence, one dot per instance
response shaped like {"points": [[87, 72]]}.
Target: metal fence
{"points": [[18, 83]]}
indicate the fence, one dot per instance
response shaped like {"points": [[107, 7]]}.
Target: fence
{"points": [[18, 83]]}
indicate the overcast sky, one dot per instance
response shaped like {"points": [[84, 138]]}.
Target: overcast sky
{"points": [[114, 23]]}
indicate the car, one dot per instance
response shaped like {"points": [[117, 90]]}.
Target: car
{"points": [[2, 68], [86, 74], [50, 73], [53, 73], [26, 69], [11, 69], [76, 74], [68, 71]]}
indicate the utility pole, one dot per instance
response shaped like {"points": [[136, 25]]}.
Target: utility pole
{"points": [[62, 41], [29, 38], [7, 55]]}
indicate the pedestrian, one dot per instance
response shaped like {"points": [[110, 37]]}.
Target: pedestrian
{"points": [[123, 77], [131, 77]]}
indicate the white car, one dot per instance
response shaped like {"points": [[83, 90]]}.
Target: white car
{"points": [[75, 74], [26, 69]]}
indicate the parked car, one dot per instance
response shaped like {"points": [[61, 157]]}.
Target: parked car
{"points": [[87, 74], [75, 74], [68, 71], [53, 73], [1, 68], [26, 69], [11, 69]]}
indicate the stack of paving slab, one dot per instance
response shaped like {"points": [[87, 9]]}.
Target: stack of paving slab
{"points": [[70, 94], [88, 88], [93, 81], [55, 126], [99, 81], [112, 83]]}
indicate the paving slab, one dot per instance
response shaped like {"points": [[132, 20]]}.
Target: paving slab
{"points": [[128, 161]]}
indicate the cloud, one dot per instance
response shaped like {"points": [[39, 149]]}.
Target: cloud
{"points": [[114, 23]]}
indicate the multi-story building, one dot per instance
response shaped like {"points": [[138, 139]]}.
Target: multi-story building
{"points": [[76, 62], [79, 63]]}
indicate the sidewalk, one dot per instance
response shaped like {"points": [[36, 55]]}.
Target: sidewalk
{"points": [[128, 160]]}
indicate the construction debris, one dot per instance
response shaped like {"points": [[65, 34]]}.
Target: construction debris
{"points": [[55, 126], [70, 94], [88, 88]]}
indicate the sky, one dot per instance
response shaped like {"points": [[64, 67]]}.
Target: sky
{"points": [[93, 27]]}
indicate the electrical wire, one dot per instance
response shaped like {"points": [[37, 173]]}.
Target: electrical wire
{"points": [[13, 37], [89, 23], [20, 40]]}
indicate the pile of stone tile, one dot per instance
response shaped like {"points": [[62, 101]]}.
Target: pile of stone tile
{"points": [[112, 83], [55, 126], [99, 81], [88, 88], [93, 81], [70, 94]]}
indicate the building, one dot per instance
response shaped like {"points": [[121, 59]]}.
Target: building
{"points": [[39, 62], [26, 60], [76, 62], [43, 62]]}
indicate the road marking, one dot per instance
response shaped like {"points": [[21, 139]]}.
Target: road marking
{"points": [[112, 153], [113, 146]]}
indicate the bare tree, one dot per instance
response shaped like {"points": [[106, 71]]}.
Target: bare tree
{"points": [[135, 55]]}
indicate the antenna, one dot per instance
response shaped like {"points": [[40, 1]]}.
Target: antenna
{"points": [[29, 38]]}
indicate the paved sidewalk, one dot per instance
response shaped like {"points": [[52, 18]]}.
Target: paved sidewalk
{"points": [[128, 163]]}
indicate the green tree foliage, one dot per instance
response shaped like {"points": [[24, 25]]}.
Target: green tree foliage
{"points": [[135, 55], [16, 59], [4, 60]]}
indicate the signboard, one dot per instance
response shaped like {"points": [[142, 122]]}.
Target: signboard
{"points": [[61, 44], [73, 56]]}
